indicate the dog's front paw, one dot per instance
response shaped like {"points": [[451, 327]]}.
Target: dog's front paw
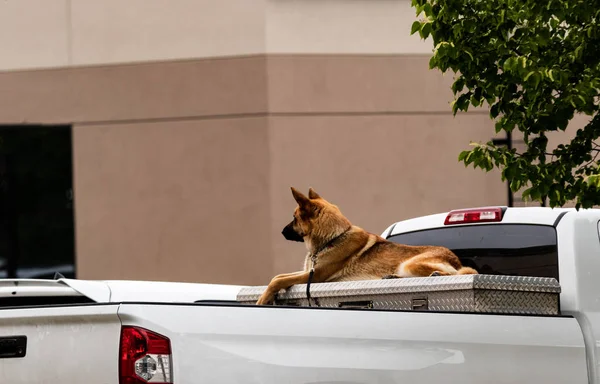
{"points": [[391, 277], [266, 298]]}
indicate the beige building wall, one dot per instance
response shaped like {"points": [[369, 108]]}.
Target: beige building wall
{"points": [[177, 200], [65, 33], [193, 118]]}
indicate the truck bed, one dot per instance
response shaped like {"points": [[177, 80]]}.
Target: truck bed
{"points": [[218, 340]]}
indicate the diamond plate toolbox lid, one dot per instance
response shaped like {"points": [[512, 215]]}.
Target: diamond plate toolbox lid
{"points": [[410, 285]]}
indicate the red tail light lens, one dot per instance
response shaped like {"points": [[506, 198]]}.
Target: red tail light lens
{"points": [[145, 357], [476, 215]]}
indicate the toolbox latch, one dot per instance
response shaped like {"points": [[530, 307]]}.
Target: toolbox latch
{"points": [[420, 304]]}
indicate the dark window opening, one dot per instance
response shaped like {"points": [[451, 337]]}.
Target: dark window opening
{"points": [[497, 249], [37, 236]]}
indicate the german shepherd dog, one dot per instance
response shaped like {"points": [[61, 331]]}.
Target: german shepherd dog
{"points": [[340, 251]]}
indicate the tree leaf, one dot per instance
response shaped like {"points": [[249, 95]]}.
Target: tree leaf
{"points": [[416, 27], [537, 77], [593, 180], [509, 64], [425, 30], [470, 54], [463, 155], [494, 111], [458, 85], [433, 62], [578, 52], [499, 126], [427, 9], [528, 75]]}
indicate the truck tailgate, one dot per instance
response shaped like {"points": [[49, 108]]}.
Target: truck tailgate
{"points": [[64, 344], [296, 345]]}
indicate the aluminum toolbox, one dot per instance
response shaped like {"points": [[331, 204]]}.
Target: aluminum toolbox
{"points": [[459, 293]]}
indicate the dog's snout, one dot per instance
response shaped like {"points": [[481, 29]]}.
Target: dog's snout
{"points": [[290, 234]]}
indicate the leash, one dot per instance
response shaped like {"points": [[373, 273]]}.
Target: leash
{"points": [[313, 259], [310, 277]]}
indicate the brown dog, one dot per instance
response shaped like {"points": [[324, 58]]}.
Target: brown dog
{"points": [[340, 251]]}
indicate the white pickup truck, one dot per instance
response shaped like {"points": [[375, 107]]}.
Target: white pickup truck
{"points": [[76, 331]]}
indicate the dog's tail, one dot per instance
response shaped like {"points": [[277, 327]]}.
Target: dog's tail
{"points": [[467, 271]]}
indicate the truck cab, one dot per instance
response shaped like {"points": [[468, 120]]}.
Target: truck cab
{"points": [[532, 241]]}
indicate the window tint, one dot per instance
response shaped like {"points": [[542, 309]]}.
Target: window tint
{"points": [[498, 249]]}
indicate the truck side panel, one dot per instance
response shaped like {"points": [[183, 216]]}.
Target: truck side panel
{"points": [[68, 344], [298, 345]]}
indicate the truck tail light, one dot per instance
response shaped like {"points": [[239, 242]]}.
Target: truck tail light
{"points": [[144, 357], [475, 215]]}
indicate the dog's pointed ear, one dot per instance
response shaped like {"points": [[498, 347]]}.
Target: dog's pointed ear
{"points": [[302, 200], [312, 194]]}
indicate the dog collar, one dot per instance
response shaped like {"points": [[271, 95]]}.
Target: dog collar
{"points": [[328, 245]]}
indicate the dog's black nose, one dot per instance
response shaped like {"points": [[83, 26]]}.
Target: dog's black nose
{"points": [[289, 234]]}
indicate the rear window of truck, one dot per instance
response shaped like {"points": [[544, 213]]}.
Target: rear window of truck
{"points": [[495, 249]]}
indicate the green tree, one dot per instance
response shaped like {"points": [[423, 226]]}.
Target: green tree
{"points": [[536, 64]]}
